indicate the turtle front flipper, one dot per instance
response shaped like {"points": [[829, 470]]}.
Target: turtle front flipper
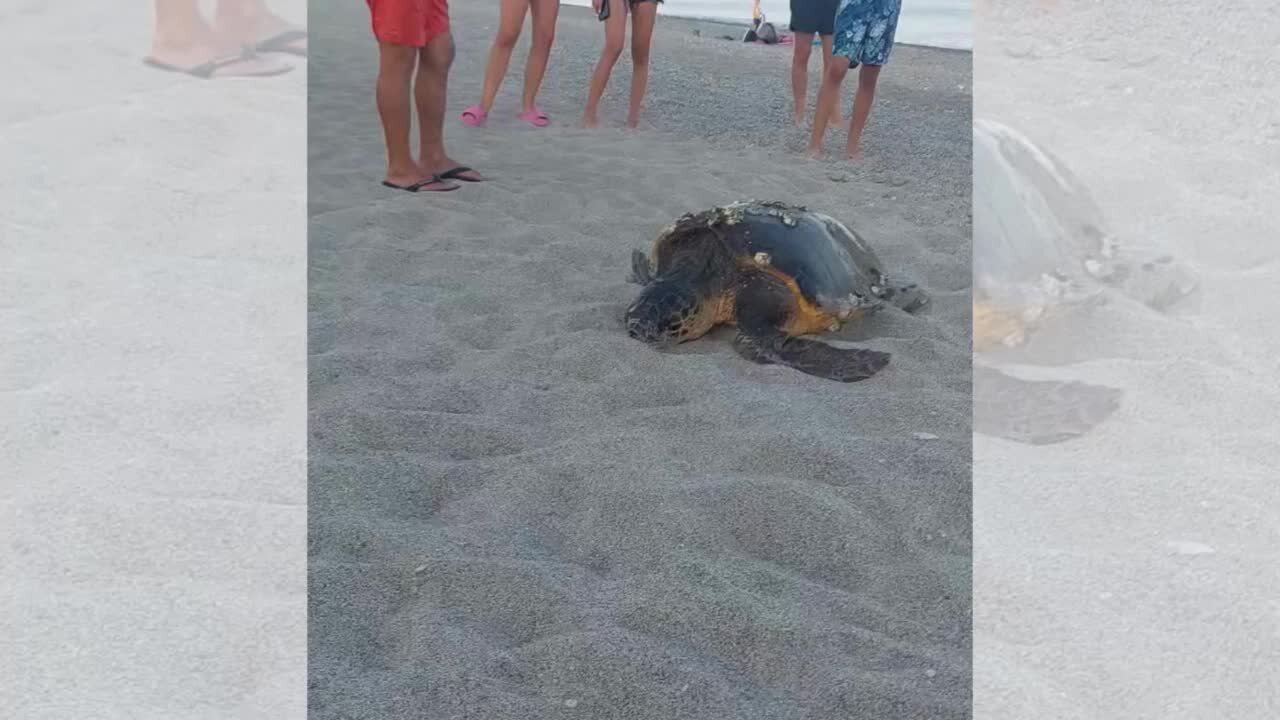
{"points": [[771, 312], [811, 356], [641, 269], [1038, 412]]}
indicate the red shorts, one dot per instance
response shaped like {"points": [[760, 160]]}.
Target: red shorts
{"points": [[409, 22]]}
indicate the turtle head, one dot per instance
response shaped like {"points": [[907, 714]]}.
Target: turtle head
{"points": [[668, 311]]}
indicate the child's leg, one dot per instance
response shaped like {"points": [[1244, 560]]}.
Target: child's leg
{"points": [[867, 77], [800, 73], [395, 71], [826, 67], [431, 90], [545, 13], [510, 21], [643, 17], [615, 33], [827, 99]]}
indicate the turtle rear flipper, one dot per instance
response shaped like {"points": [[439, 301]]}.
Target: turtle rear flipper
{"points": [[812, 357], [641, 269], [1038, 412]]}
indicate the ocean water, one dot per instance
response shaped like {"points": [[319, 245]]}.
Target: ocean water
{"points": [[935, 23]]}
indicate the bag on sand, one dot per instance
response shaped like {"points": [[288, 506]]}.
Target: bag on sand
{"points": [[761, 31]]}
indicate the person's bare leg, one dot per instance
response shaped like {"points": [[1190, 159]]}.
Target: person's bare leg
{"points": [[826, 67], [615, 34], [183, 39], [249, 22], [431, 91], [644, 16], [545, 13], [862, 102], [800, 75], [828, 96], [510, 21], [395, 71]]}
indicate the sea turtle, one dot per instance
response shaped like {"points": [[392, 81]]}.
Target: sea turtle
{"points": [[1041, 247], [778, 272]]}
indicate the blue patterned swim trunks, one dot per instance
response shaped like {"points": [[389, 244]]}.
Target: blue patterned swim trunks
{"points": [[864, 30]]}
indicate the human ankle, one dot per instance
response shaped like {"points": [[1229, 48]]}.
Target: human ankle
{"points": [[430, 160], [402, 168], [181, 32]]}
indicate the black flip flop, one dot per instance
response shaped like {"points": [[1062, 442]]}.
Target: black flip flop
{"points": [[209, 70], [417, 187], [456, 174], [279, 43]]}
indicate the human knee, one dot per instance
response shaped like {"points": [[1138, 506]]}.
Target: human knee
{"points": [[867, 76], [439, 53], [544, 38], [835, 73], [802, 51], [507, 39], [397, 63], [611, 52], [640, 56]]}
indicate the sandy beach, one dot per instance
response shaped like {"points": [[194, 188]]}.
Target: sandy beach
{"points": [[516, 511], [152, 301], [1130, 573]]}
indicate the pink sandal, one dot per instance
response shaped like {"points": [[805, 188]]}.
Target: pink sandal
{"points": [[474, 116], [535, 117]]}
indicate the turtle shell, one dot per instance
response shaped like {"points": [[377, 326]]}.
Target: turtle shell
{"points": [[832, 265], [1038, 236]]}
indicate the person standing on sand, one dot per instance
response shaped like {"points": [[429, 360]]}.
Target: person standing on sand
{"points": [[809, 18], [863, 36], [242, 31], [414, 34], [644, 14], [510, 22]]}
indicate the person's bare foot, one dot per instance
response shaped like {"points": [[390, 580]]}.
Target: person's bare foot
{"points": [[799, 120], [414, 177], [415, 183], [204, 57], [590, 122], [455, 170], [813, 153], [854, 154]]}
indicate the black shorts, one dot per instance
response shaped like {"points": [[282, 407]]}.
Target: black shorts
{"points": [[814, 16]]}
